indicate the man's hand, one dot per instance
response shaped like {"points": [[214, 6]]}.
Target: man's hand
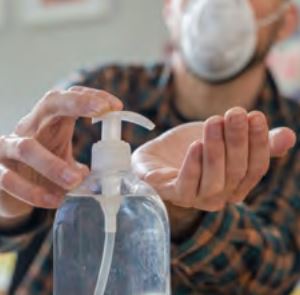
{"points": [[205, 165], [36, 162]]}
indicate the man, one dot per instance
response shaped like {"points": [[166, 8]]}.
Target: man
{"points": [[234, 227]]}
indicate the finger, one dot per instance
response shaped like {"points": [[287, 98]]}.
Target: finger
{"points": [[114, 101], [33, 154], [26, 192], [236, 146], [69, 103], [259, 155], [189, 177], [144, 164], [281, 140], [84, 170], [213, 173], [162, 180], [212, 204]]}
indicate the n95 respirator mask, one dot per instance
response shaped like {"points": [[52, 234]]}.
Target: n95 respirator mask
{"points": [[218, 38]]}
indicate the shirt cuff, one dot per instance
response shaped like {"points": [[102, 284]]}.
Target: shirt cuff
{"points": [[213, 234]]}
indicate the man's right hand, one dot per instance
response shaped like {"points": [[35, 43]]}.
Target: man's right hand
{"points": [[36, 162]]}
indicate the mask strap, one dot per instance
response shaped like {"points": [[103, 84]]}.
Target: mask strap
{"points": [[273, 17]]}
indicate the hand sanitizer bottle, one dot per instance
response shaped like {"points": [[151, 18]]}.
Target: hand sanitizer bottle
{"points": [[111, 235]]}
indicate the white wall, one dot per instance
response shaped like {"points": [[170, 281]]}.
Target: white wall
{"points": [[33, 59]]}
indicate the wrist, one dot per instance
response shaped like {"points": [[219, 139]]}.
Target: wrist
{"points": [[184, 221], [10, 223], [13, 212]]}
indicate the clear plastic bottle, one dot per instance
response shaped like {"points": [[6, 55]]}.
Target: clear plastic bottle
{"points": [[111, 235]]}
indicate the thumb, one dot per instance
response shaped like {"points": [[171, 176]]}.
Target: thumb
{"points": [[281, 140]]}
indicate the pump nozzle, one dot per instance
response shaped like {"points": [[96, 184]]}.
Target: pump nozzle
{"points": [[111, 123], [111, 153]]}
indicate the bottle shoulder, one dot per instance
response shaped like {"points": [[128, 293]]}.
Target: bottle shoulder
{"points": [[129, 184], [132, 190]]}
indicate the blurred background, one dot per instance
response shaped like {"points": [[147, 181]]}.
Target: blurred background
{"points": [[36, 53]]}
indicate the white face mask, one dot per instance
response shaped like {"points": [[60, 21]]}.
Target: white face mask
{"points": [[219, 37]]}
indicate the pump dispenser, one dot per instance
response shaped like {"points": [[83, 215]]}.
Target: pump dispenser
{"points": [[112, 154], [111, 235]]}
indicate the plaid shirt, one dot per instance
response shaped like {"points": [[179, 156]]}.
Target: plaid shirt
{"points": [[249, 248]]}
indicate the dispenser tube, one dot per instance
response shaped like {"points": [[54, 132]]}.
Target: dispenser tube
{"points": [[109, 245]]}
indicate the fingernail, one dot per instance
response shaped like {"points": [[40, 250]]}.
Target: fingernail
{"points": [[83, 169], [257, 123], [97, 106], [214, 131], [70, 176], [117, 103], [51, 199], [238, 119]]}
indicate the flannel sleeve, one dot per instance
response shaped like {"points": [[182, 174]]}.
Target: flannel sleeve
{"points": [[248, 248], [18, 238]]}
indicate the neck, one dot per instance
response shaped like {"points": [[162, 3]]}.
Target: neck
{"points": [[197, 100]]}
